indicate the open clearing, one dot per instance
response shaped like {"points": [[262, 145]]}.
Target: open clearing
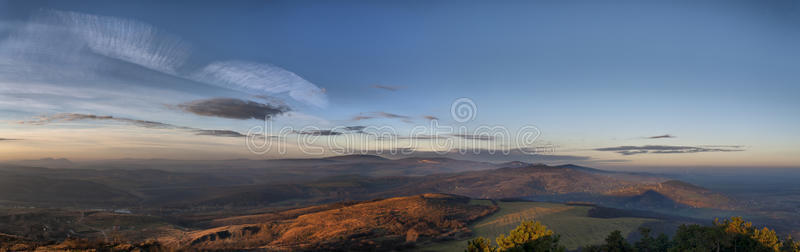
{"points": [[571, 222]]}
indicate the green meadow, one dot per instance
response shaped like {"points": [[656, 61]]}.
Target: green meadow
{"points": [[571, 222]]}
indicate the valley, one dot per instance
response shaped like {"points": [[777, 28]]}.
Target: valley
{"points": [[420, 205]]}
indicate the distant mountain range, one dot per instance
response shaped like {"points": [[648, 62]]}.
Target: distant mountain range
{"points": [[344, 203], [264, 183]]}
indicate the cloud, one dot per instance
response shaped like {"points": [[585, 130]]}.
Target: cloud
{"points": [[430, 117], [362, 117], [300, 119], [319, 132], [261, 78], [357, 129], [57, 37], [390, 115], [126, 40], [371, 115], [8, 139], [68, 117], [474, 137], [222, 133], [666, 149], [233, 108], [384, 87], [723, 146], [270, 99], [662, 136], [76, 49], [412, 137]]}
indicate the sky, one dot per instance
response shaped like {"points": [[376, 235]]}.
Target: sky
{"points": [[617, 83]]}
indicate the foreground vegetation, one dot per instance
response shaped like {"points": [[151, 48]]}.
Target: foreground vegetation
{"points": [[734, 234]]}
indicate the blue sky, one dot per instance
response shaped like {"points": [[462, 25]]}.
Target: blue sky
{"points": [[588, 75]]}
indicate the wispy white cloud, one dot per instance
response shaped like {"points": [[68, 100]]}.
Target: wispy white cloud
{"points": [[75, 50], [261, 78], [124, 39], [301, 119]]}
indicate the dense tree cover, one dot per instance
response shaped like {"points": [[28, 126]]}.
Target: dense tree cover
{"points": [[734, 234]]}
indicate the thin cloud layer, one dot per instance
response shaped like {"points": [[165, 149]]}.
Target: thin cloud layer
{"points": [[68, 117], [430, 117], [474, 137], [665, 149], [222, 133], [381, 114], [362, 117], [8, 139], [319, 132], [390, 115], [233, 108]]}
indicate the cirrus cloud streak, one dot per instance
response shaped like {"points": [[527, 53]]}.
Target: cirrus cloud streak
{"points": [[666, 149]]}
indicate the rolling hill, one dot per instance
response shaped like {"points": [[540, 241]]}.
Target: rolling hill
{"points": [[372, 225]]}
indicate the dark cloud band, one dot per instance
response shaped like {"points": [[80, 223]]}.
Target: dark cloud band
{"points": [[661, 136], [233, 108]]}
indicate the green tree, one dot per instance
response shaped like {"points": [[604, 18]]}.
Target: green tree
{"points": [[733, 234], [647, 243], [744, 237], [528, 236], [662, 243], [543, 244], [767, 238], [615, 242], [789, 245], [480, 244], [525, 232], [697, 238]]}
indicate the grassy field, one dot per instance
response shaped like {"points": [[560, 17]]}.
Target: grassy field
{"points": [[571, 222]]}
